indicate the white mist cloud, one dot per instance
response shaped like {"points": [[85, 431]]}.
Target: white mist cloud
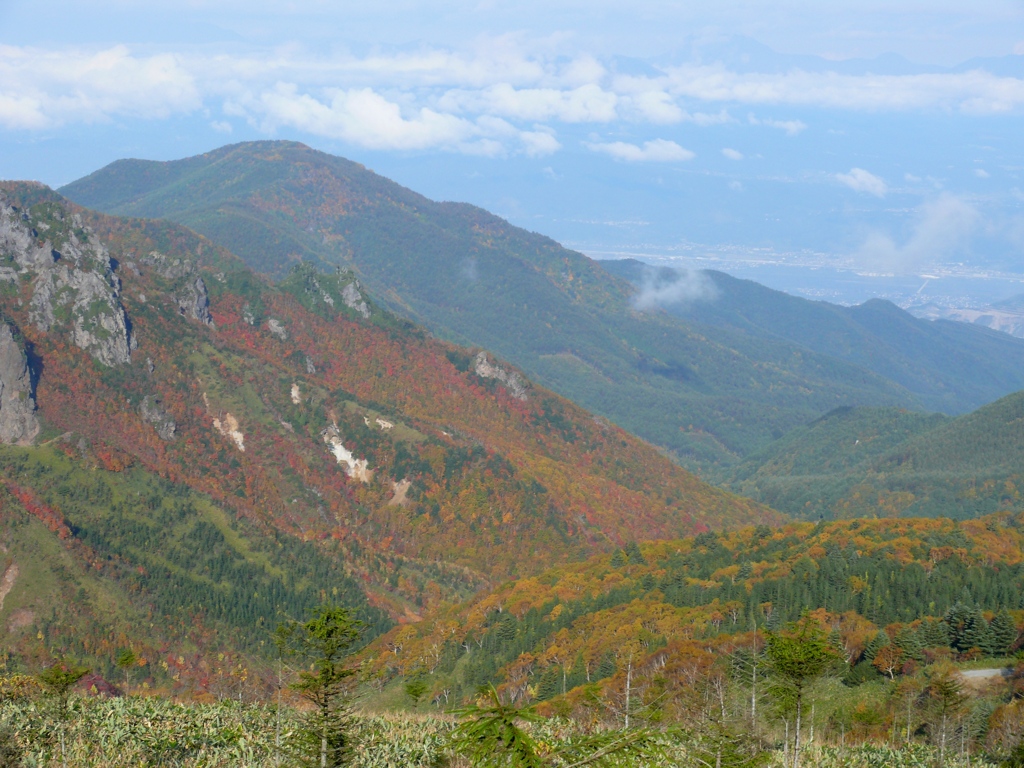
{"points": [[943, 228], [860, 180], [662, 288], [732, 154], [657, 151]]}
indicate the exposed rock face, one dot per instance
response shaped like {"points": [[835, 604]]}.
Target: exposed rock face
{"points": [[74, 288], [277, 329], [190, 294], [513, 382], [357, 469], [354, 299], [194, 302], [18, 422], [152, 413]]}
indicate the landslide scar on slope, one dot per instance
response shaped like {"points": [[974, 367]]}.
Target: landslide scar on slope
{"points": [[7, 582]]}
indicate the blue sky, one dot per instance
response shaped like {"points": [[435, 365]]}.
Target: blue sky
{"points": [[874, 136]]}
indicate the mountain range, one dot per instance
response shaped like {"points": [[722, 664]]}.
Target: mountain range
{"points": [[706, 384], [192, 454]]}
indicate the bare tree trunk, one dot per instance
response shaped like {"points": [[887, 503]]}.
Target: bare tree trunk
{"points": [[909, 702], [942, 742], [629, 684], [796, 740], [323, 737], [753, 693], [277, 729]]}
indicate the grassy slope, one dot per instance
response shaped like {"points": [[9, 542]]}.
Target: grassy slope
{"points": [[708, 394]]}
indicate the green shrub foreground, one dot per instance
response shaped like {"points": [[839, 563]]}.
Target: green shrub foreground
{"points": [[144, 732]]}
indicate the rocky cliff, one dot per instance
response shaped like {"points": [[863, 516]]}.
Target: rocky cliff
{"points": [[74, 288], [18, 422]]}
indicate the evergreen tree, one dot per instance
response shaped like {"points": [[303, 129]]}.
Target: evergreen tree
{"points": [[909, 641], [976, 633], [125, 660], [796, 659], [1002, 633], [933, 634], [618, 559], [59, 680], [324, 642], [490, 736], [634, 554], [877, 643], [957, 619]]}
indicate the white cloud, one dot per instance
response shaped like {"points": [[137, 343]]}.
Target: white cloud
{"points": [[362, 117], [367, 119], [658, 151], [43, 88], [656, 107], [943, 228], [860, 180], [977, 91], [704, 119], [791, 127], [981, 173], [732, 154], [433, 97], [539, 143], [21, 112], [586, 104]]}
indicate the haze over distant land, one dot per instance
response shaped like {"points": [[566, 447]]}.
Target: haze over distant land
{"points": [[863, 151]]}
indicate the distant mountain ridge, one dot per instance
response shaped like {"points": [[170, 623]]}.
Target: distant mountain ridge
{"points": [[708, 392], [948, 366], [867, 462]]}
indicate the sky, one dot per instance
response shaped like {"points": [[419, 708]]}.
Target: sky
{"points": [[858, 138]]}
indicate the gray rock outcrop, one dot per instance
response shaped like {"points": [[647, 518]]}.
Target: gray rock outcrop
{"points": [[74, 287], [354, 299], [513, 382], [194, 302], [152, 413], [18, 422]]}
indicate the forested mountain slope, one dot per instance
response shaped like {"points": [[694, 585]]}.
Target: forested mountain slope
{"points": [[708, 394], [949, 366], [670, 609], [193, 453], [866, 461]]}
